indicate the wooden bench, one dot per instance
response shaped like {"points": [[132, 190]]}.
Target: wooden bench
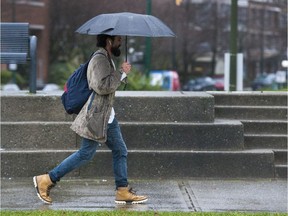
{"points": [[17, 47]]}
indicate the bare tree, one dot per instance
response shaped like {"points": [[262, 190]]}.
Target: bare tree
{"points": [[67, 16]]}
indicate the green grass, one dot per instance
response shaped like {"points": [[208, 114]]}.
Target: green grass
{"points": [[130, 213]]}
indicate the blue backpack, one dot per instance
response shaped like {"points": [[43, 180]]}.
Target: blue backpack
{"points": [[76, 89]]}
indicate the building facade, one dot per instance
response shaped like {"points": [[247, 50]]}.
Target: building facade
{"points": [[262, 35]]}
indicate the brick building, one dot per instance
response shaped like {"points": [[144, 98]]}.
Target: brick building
{"points": [[36, 13]]}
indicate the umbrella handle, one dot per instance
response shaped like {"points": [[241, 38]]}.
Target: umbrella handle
{"points": [[126, 48]]}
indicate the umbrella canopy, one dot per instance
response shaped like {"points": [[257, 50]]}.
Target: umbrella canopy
{"points": [[126, 24]]}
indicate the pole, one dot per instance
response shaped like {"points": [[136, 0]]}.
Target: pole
{"points": [[33, 67], [262, 44], [173, 48], [233, 45], [148, 41], [226, 71], [239, 86]]}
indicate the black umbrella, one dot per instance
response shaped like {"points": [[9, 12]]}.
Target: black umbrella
{"points": [[126, 24]]}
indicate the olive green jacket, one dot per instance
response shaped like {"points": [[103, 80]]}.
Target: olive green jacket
{"points": [[92, 121]]}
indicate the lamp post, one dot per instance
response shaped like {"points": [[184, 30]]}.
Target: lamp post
{"points": [[233, 45]]}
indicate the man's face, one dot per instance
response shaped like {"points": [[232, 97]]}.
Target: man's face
{"points": [[116, 44]]}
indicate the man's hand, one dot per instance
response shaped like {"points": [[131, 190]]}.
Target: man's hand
{"points": [[126, 67]]}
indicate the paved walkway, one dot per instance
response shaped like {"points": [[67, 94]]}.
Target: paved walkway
{"points": [[164, 195]]}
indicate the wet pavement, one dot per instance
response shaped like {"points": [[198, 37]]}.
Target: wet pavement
{"points": [[195, 195]]}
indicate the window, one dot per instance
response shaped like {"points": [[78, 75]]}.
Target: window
{"points": [[39, 3]]}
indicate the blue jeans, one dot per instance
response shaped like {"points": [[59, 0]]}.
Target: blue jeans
{"points": [[87, 151]]}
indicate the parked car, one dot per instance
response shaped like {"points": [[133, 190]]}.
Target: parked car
{"points": [[263, 80], [219, 83], [200, 84], [281, 77], [167, 80]]}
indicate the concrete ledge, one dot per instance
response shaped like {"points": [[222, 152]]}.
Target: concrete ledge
{"points": [[226, 135], [257, 141], [251, 112], [164, 106], [250, 98], [265, 127], [27, 107], [148, 164], [220, 135], [157, 106], [37, 135], [281, 171], [280, 156]]}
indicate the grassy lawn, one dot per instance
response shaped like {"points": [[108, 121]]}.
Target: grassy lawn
{"points": [[130, 213]]}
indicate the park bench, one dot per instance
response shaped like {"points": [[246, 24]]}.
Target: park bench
{"points": [[18, 47]]}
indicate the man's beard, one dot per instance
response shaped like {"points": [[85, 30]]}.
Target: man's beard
{"points": [[116, 51]]}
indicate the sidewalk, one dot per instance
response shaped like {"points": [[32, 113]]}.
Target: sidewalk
{"points": [[164, 195]]}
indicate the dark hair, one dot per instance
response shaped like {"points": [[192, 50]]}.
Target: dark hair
{"points": [[101, 40]]}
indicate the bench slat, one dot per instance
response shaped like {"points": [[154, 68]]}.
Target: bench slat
{"points": [[19, 58], [14, 42]]}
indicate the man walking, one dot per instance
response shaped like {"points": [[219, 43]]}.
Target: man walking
{"points": [[96, 123]]}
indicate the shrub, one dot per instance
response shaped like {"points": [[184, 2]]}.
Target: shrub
{"points": [[59, 72], [7, 77], [137, 81]]}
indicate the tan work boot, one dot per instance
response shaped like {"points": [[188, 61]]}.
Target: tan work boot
{"points": [[127, 195], [43, 185]]}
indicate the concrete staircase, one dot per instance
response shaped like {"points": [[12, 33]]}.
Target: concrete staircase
{"points": [[264, 116], [168, 134]]}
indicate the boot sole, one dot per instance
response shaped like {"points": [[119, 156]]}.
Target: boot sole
{"points": [[130, 202], [37, 191]]}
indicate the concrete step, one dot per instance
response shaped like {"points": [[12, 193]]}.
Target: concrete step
{"points": [[250, 98], [251, 112], [281, 171], [37, 135], [280, 156], [147, 164], [32, 107], [265, 141], [180, 137], [164, 106], [265, 126], [140, 106], [219, 135], [280, 163]]}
